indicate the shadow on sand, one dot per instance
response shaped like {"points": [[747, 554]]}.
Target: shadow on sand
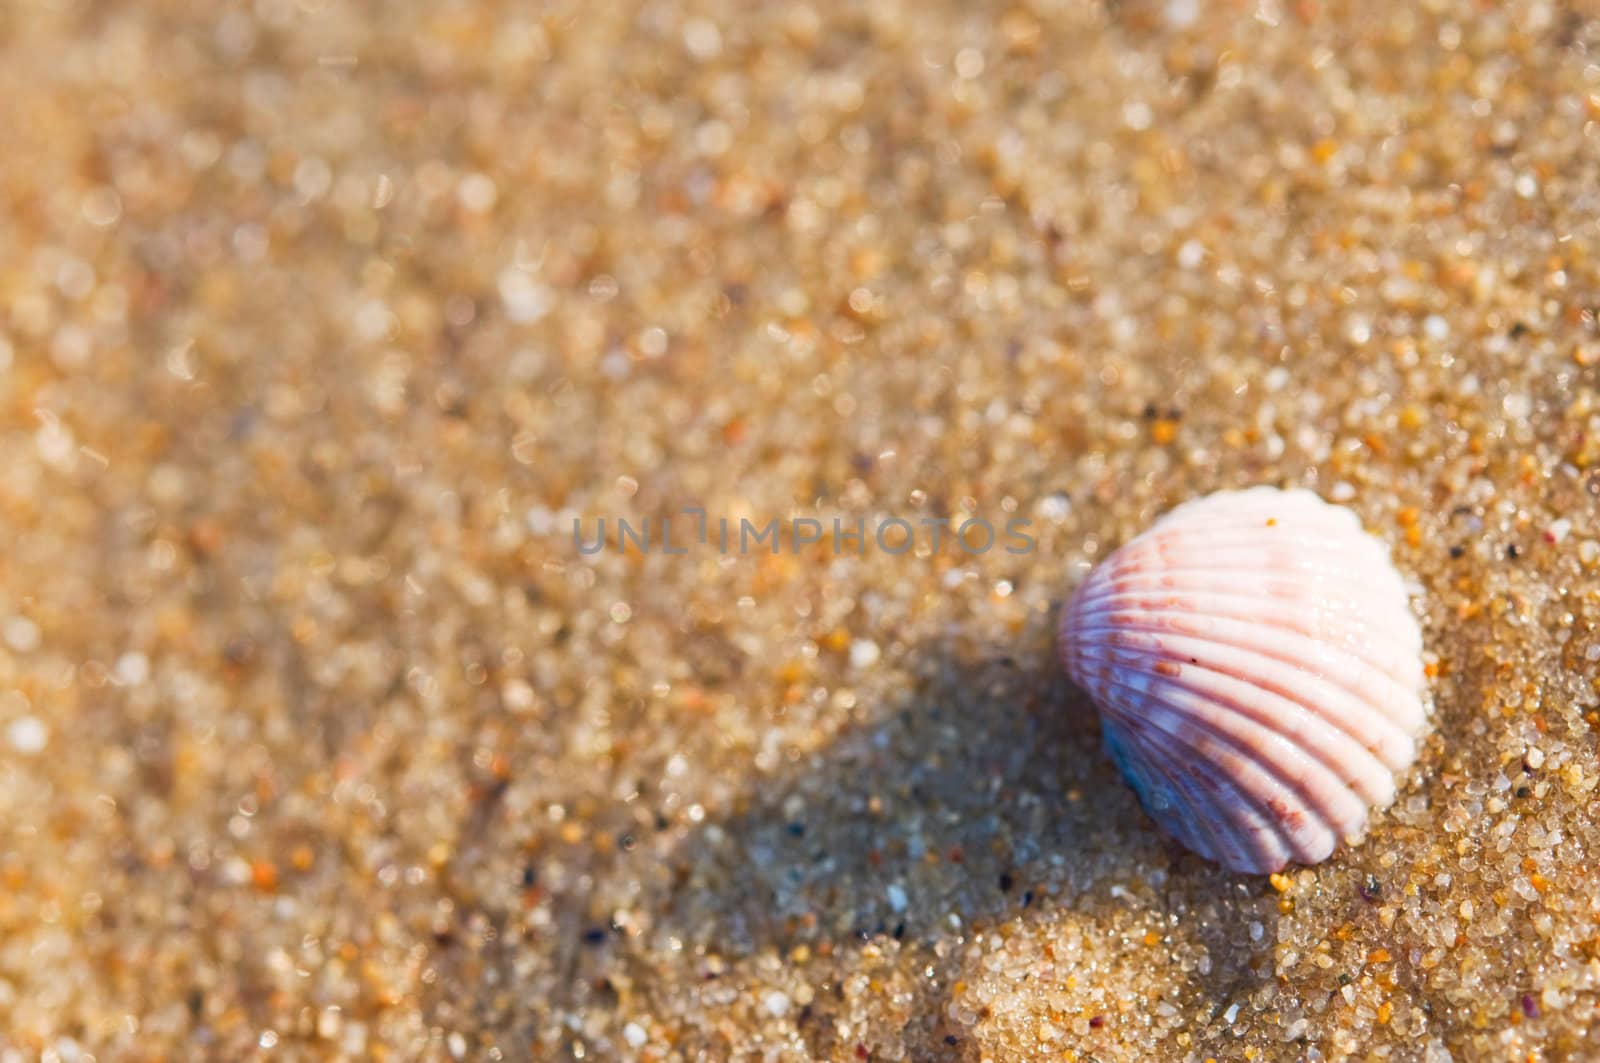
{"points": [[979, 801], [984, 798]]}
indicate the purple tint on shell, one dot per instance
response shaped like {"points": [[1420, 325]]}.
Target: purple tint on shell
{"points": [[1258, 672]]}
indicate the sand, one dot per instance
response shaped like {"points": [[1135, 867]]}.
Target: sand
{"points": [[322, 322]]}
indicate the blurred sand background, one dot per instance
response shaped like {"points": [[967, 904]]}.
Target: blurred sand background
{"points": [[320, 321]]}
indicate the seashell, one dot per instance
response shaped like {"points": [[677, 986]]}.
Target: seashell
{"points": [[1258, 672]]}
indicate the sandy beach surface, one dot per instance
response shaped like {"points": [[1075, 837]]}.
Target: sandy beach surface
{"points": [[321, 322]]}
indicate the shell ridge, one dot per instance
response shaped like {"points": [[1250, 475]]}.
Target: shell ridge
{"points": [[1338, 751], [1165, 797], [1348, 714], [1348, 671], [1302, 568], [1247, 822], [1250, 832], [1248, 580], [1334, 800], [1273, 796], [1327, 626], [1329, 700]]}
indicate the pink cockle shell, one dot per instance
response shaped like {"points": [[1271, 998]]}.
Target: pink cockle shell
{"points": [[1258, 672]]}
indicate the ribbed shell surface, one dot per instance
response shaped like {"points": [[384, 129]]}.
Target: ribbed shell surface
{"points": [[1258, 672]]}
